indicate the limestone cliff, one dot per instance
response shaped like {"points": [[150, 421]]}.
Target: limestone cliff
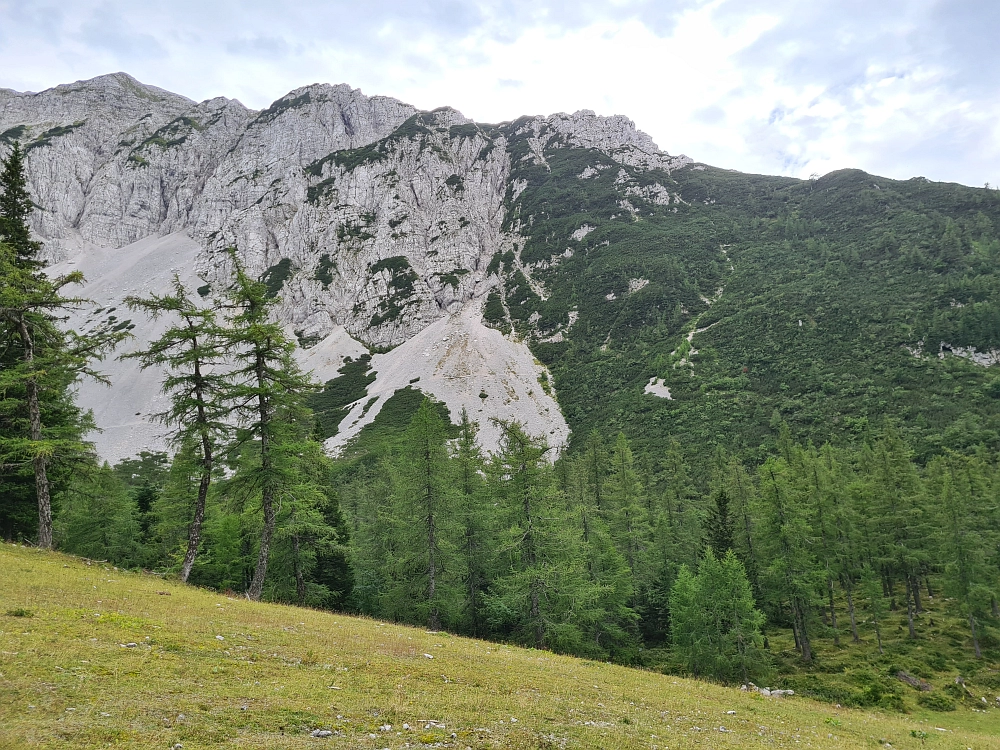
{"points": [[373, 222]]}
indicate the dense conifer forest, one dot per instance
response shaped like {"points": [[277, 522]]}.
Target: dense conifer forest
{"points": [[817, 508]]}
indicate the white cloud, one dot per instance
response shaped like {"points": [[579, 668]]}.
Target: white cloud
{"points": [[899, 88]]}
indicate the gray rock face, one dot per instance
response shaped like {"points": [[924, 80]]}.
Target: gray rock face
{"points": [[373, 219]]}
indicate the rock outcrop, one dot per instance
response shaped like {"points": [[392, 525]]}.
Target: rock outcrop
{"points": [[371, 220]]}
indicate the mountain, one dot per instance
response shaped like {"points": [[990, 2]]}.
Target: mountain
{"points": [[560, 270]]}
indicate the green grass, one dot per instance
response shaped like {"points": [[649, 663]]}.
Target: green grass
{"points": [[255, 675]]}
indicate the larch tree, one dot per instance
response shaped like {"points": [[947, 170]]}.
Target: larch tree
{"points": [[266, 395], [422, 577], [191, 354], [43, 362]]}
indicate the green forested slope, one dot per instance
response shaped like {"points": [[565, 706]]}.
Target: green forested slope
{"points": [[825, 282]]}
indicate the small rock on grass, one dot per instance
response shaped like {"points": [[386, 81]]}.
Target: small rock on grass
{"points": [[321, 733]]}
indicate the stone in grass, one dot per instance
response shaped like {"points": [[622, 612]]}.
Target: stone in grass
{"points": [[321, 733]]}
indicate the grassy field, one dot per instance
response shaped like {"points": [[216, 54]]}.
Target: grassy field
{"points": [[94, 657]]}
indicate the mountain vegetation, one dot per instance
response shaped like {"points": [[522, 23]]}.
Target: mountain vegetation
{"points": [[809, 497]]}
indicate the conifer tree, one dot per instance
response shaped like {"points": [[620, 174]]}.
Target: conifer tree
{"points": [[715, 625], [266, 396], [15, 210], [198, 391], [477, 523], [964, 534], [544, 598], [719, 525], [682, 514], [901, 527], [625, 509], [422, 577], [790, 575], [98, 519], [47, 362]]}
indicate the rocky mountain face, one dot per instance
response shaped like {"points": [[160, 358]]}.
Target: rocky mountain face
{"points": [[373, 222]]}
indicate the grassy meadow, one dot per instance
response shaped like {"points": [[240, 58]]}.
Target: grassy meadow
{"points": [[91, 656]]}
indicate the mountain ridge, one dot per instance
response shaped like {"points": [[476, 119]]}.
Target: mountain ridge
{"points": [[606, 264]]}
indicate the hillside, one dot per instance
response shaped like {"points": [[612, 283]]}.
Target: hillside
{"points": [[659, 296], [93, 656]]}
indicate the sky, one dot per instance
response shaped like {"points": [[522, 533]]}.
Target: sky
{"points": [[899, 88]]}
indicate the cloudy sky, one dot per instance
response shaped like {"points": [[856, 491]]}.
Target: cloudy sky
{"points": [[896, 87]]}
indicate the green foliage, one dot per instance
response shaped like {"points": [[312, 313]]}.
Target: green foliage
{"points": [[97, 519], [46, 138], [16, 207], [330, 405], [823, 283], [401, 278], [274, 278], [324, 270], [282, 105], [936, 701], [716, 628], [13, 135]]}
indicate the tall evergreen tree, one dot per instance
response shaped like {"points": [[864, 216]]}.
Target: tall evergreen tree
{"points": [[719, 525], [45, 363], [15, 210], [267, 399], [477, 522], [625, 509], [790, 576], [715, 625], [422, 581], [198, 390], [964, 537], [543, 597]]}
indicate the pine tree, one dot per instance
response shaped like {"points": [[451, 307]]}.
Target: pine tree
{"points": [[719, 525], [190, 351], [901, 525], [786, 539], [964, 536], [477, 522], [99, 520], [544, 597], [683, 516], [625, 509], [742, 495]]}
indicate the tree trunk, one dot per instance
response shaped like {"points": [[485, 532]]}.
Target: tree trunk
{"points": [[194, 532], [300, 581], [264, 552], [267, 490], [878, 634], [915, 587], [40, 462], [975, 638], [833, 612], [850, 611], [909, 609], [927, 583]]}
